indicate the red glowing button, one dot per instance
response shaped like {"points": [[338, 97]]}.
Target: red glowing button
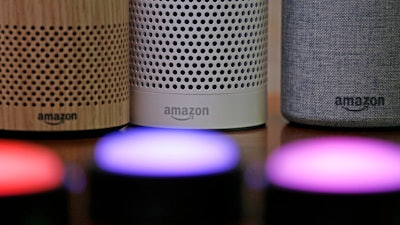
{"points": [[28, 169]]}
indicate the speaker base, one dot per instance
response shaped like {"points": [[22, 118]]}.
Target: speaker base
{"points": [[208, 199], [57, 134], [191, 111], [50, 207], [355, 123]]}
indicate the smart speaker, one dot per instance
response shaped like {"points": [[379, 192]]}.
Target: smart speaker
{"points": [[184, 177], [340, 62], [198, 64], [64, 65], [331, 180]]}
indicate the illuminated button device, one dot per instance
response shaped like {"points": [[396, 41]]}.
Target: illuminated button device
{"points": [[31, 190], [334, 180], [161, 176]]}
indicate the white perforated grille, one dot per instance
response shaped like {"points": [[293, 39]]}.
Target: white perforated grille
{"points": [[198, 46]]}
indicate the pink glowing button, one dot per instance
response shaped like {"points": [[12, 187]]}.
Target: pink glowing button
{"points": [[166, 153], [347, 165], [28, 169]]}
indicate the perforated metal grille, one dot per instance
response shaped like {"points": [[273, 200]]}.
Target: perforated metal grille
{"points": [[64, 66], [198, 46]]}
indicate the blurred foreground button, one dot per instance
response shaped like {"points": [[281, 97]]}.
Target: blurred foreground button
{"points": [[163, 176], [31, 190], [334, 181]]}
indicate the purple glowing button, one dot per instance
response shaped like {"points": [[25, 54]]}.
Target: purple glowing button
{"points": [[166, 153], [344, 165]]}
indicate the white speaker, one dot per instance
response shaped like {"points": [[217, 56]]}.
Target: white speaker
{"points": [[198, 64], [64, 65], [340, 62]]}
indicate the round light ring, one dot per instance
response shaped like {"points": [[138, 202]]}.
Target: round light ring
{"points": [[343, 165], [28, 169], [166, 153]]}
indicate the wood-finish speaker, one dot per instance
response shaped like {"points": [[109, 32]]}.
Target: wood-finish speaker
{"points": [[64, 65]]}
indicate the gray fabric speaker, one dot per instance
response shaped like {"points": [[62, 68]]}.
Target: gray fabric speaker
{"points": [[340, 62]]}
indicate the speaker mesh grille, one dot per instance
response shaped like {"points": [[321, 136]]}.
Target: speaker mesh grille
{"points": [[63, 66], [340, 62], [198, 46]]}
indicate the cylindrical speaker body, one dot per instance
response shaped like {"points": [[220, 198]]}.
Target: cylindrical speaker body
{"points": [[198, 64], [64, 65], [340, 62]]}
